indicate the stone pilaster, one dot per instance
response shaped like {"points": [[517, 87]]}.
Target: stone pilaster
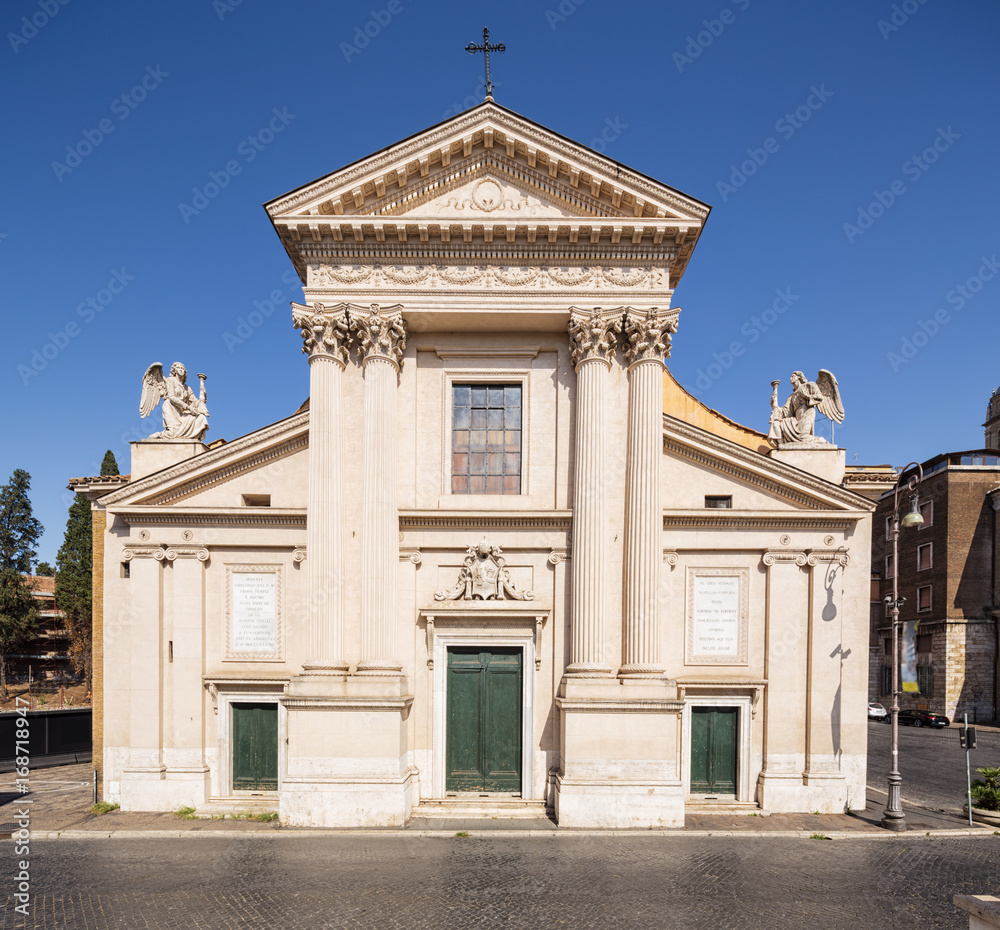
{"points": [[324, 334], [592, 348], [382, 338], [648, 336]]}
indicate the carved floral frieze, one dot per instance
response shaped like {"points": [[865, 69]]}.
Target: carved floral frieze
{"points": [[571, 277]]}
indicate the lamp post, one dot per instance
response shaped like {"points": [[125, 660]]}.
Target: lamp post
{"points": [[893, 817]]}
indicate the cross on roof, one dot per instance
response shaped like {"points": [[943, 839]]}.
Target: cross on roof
{"points": [[486, 48]]}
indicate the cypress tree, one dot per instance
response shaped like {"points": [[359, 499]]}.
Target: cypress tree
{"points": [[109, 466], [74, 584], [19, 534]]}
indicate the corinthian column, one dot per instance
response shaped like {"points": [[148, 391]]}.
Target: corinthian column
{"points": [[592, 348], [648, 342], [324, 336], [382, 337]]}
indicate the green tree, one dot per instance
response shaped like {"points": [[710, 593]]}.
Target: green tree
{"points": [[74, 584], [43, 568], [19, 534], [109, 466]]}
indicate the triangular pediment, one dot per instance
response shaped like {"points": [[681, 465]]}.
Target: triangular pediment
{"points": [[488, 175]]}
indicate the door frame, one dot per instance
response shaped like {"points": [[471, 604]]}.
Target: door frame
{"points": [[223, 788], [485, 640], [744, 706]]}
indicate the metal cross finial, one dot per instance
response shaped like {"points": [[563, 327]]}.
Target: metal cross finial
{"points": [[486, 48]]}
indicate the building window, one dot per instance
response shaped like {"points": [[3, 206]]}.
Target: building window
{"points": [[886, 679], [924, 559], [890, 567], [925, 679], [486, 439], [925, 642], [721, 502], [924, 597], [927, 512], [887, 645], [888, 527]]}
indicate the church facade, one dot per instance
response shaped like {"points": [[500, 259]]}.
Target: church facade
{"points": [[500, 553]]}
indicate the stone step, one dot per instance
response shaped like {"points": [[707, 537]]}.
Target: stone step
{"points": [[481, 807]]}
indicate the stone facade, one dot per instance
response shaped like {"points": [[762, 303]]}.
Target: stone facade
{"points": [[947, 573], [657, 609]]}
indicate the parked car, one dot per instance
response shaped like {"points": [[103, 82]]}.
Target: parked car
{"points": [[876, 711], [922, 718]]}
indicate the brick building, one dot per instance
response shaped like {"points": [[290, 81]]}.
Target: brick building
{"points": [[948, 575], [47, 655]]}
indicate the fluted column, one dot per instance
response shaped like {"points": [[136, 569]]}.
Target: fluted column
{"points": [[648, 337], [592, 348], [382, 336], [324, 335]]}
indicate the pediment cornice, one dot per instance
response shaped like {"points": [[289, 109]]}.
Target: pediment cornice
{"points": [[769, 475], [215, 466]]}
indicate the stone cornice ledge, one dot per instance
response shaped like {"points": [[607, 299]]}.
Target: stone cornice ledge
{"points": [[486, 519], [348, 703], [229, 516], [756, 469], [624, 706]]}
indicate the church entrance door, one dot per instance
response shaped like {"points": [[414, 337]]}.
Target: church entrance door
{"points": [[713, 749], [484, 698], [255, 747]]}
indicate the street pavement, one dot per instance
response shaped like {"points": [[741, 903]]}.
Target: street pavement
{"points": [[721, 871]]}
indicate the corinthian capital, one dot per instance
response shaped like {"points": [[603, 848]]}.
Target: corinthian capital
{"points": [[592, 333], [648, 333], [324, 330], [380, 332]]}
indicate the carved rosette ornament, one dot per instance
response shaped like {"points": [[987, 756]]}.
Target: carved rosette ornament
{"points": [[324, 330], [592, 334], [648, 334], [380, 332]]}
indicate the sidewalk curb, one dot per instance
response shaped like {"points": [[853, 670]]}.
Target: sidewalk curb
{"points": [[508, 834]]}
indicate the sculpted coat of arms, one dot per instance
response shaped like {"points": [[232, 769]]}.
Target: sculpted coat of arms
{"points": [[483, 577]]}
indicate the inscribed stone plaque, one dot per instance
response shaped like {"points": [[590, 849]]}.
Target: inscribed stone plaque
{"points": [[716, 616], [253, 612]]}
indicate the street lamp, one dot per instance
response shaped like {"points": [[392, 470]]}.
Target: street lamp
{"points": [[893, 817]]}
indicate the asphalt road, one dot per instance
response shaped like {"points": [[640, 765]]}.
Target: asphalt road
{"points": [[931, 762]]}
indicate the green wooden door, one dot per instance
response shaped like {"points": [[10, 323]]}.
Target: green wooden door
{"points": [[484, 695], [255, 747], [713, 749]]}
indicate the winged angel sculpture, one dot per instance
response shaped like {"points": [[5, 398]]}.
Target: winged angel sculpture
{"points": [[796, 420], [184, 415]]}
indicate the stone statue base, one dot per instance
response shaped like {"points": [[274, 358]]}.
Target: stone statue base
{"points": [[822, 460], [153, 455]]}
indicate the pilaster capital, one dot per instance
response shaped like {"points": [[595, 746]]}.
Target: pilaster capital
{"points": [[186, 552], [324, 330], [592, 333], [648, 333], [784, 557], [144, 552], [817, 556], [380, 332]]}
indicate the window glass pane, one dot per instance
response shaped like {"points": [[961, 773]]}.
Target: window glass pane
{"points": [[460, 441], [495, 438], [512, 418], [495, 396], [477, 463], [459, 485], [512, 484], [460, 395], [512, 464], [478, 395], [512, 395], [460, 418], [496, 418], [477, 440], [494, 464], [478, 418], [459, 464], [477, 485], [512, 441], [494, 484]]}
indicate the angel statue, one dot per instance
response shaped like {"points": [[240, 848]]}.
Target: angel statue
{"points": [[184, 415], [796, 420]]}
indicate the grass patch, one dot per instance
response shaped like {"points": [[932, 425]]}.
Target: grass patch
{"points": [[104, 807], [185, 813], [259, 816], [819, 836], [462, 834]]}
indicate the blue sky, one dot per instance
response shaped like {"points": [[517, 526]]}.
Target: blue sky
{"points": [[849, 151]]}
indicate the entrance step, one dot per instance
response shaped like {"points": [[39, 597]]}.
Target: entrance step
{"points": [[722, 806], [487, 807]]}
